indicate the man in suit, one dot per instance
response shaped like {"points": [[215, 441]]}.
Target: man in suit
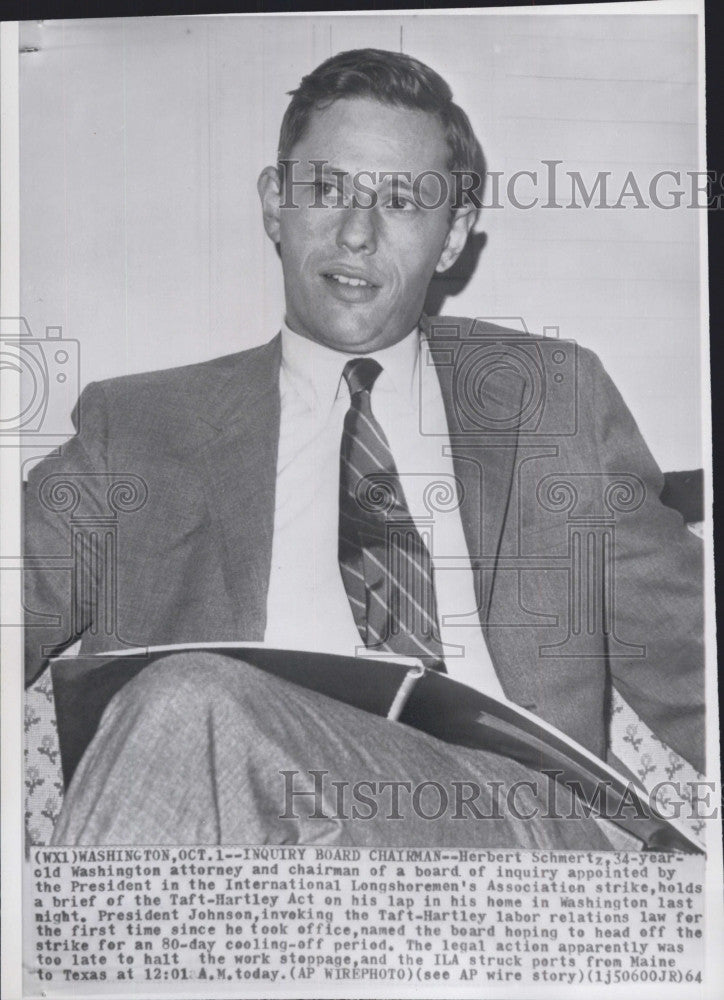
{"points": [[539, 562]]}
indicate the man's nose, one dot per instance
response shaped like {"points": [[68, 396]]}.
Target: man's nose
{"points": [[357, 230]]}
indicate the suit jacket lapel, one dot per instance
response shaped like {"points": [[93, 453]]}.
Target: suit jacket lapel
{"points": [[240, 480], [483, 457]]}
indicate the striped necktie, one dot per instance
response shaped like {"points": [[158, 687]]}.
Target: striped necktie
{"points": [[385, 564]]}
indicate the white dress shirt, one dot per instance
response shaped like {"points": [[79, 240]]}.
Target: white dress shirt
{"points": [[307, 605]]}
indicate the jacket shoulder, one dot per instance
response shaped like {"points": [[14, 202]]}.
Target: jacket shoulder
{"points": [[446, 330], [178, 403], [463, 327], [214, 375]]}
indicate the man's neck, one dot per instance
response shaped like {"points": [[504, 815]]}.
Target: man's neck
{"points": [[316, 370]]}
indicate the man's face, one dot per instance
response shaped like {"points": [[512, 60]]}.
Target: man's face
{"points": [[356, 270]]}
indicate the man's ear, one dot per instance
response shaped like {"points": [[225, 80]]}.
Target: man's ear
{"points": [[462, 223], [269, 188]]}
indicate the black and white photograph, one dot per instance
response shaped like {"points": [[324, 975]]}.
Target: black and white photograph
{"points": [[360, 568]]}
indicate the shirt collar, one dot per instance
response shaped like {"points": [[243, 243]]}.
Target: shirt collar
{"points": [[315, 370]]}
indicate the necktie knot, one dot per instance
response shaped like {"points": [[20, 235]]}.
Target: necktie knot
{"points": [[361, 374]]}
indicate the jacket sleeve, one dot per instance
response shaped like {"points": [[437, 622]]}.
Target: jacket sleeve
{"points": [[657, 583], [57, 581]]}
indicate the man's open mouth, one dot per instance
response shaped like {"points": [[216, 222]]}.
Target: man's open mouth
{"points": [[348, 279], [346, 286], [344, 280]]}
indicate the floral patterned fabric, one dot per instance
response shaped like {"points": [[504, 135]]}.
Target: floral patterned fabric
{"points": [[653, 762], [43, 774]]}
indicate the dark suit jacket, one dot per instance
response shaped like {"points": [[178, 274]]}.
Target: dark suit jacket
{"points": [[582, 576]]}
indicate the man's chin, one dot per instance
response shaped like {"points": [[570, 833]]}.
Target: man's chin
{"points": [[355, 345], [362, 338], [351, 346]]}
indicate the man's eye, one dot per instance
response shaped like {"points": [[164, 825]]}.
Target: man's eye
{"points": [[402, 203], [326, 189]]}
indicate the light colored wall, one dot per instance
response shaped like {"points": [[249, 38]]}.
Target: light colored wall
{"points": [[141, 142]]}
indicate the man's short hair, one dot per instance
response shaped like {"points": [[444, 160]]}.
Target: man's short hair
{"points": [[391, 78]]}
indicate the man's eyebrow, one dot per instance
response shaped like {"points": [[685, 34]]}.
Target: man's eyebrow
{"points": [[398, 178], [316, 165], [320, 166], [330, 169]]}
